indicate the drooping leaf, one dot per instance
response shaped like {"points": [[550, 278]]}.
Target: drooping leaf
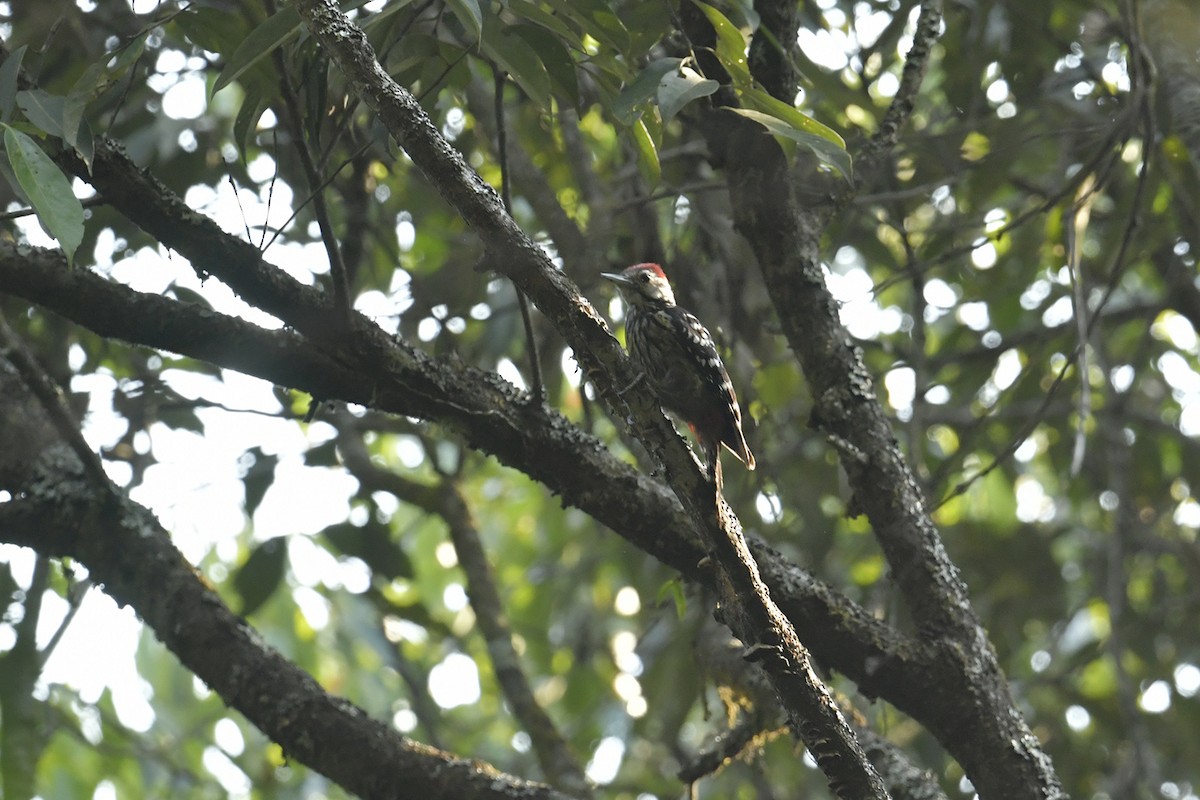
{"points": [[8, 82], [85, 144], [209, 28], [261, 42], [762, 101], [731, 47], [43, 109], [596, 19], [825, 150], [245, 124], [470, 15], [48, 190], [677, 89], [261, 574], [181, 419], [372, 23], [76, 103], [323, 455], [515, 57], [535, 14], [258, 478], [555, 58], [129, 54], [674, 590], [316, 90], [642, 88], [647, 152]]}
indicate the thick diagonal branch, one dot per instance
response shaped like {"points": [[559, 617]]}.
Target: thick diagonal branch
{"points": [[488, 413], [756, 618], [62, 510], [982, 727]]}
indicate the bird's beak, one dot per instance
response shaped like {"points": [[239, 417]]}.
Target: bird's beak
{"points": [[617, 278]]}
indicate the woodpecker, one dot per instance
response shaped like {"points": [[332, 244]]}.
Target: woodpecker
{"points": [[679, 360]]}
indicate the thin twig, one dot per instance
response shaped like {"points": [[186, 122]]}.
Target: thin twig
{"points": [[313, 193], [350, 159], [537, 388], [446, 501], [916, 64], [112, 118], [1016, 440], [291, 102], [271, 185], [1076, 226], [554, 755], [90, 202], [75, 594], [241, 210]]}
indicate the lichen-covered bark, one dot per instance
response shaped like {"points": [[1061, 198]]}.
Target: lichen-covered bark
{"points": [[982, 726], [754, 616], [949, 680]]}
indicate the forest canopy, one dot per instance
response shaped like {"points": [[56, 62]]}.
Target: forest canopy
{"points": [[307, 363]]}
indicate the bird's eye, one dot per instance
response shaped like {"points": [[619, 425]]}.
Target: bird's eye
{"points": [[645, 277]]}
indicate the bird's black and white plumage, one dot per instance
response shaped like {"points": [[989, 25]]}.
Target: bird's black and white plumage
{"points": [[680, 361]]}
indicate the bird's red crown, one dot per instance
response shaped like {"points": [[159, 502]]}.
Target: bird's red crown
{"points": [[646, 267]]}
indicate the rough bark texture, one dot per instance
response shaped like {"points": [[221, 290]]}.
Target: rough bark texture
{"points": [[983, 729], [127, 552], [755, 618], [948, 679]]}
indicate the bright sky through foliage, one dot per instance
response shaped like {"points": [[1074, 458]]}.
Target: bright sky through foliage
{"points": [[951, 273]]}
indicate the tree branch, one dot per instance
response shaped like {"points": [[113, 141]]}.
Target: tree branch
{"points": [[291, 107], [404, 381], [558, 763], [984, 729], [66, 511], [916, 64], [488, 413], [754, 616]]}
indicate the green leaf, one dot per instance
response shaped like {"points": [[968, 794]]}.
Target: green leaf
{"points": [[555, 58], [373, 543], [793, 116], [316, 93], [323, 455], [43, 109], [825, 150], [261, 42], [647, 152], [8, 82], [383, 15], [731, 47], [642, 88], [258, 478], [470, 15], [85, 144], [516, 58], [209, 29], [677, 89], [535, 14], [48, 190], [673, 589], [181, 419], [76, 103], [187, 295], [245, 125], [261, 575], [129, 53], [596, 19]]}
